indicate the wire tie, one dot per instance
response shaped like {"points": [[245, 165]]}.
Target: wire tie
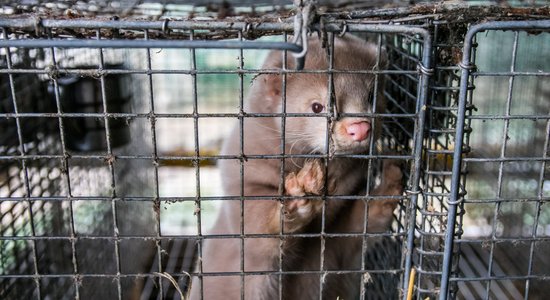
{"points": [[165, 28], [449, 202], [468, 66], [344, 29], [247, 28], [37, 25], [411, 192], [429, 72]]}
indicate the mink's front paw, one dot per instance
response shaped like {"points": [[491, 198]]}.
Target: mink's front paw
{"points": [[310, 180], [381, 209], [392, 177]]}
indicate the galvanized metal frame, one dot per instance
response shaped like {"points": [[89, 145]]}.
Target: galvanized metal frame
{"points": [[467, 67], [423, 72]]}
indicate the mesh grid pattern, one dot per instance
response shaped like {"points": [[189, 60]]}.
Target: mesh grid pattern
{"points": [[127, 176]]}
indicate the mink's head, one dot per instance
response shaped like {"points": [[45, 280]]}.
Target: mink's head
{"points": [[354, 92]]}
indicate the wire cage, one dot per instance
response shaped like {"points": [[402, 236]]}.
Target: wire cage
{"points": [[113, 116]]}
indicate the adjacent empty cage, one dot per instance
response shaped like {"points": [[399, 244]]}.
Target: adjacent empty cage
{"points": [[112, 126], [502, 228]]}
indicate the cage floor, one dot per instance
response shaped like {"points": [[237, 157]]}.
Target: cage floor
{"points": [[509, 260]]}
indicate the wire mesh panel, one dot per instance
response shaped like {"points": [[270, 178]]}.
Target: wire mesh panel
{"points": [[146, 153], [58, 181], [432, 208], [502, 236], [117, 152]]}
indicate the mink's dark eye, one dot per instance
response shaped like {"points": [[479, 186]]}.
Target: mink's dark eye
{"points": [[317, 107]]}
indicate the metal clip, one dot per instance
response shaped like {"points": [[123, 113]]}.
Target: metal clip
{"points": [[344, 29], [37, 26], [409, 192], [426, 71], [302, 20], [247, 30], [165, 28], [468, 66]]}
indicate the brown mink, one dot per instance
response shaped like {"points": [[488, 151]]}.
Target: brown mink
{"points": [[305, 93]]}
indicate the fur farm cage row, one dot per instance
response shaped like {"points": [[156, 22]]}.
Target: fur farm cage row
{"points": [[112, 116]]}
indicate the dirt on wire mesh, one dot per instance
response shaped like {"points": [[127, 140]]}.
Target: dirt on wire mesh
{"points": [[420, 14]]}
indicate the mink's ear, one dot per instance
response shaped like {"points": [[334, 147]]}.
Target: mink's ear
{"points": [[273, 82], [272, 87]]}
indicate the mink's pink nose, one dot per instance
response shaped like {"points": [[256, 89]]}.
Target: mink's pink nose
{"points": [[358, 131]]}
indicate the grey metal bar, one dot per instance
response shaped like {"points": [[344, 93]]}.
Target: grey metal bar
{"points": [[377, 28], [193, 44], [504, 146], [282, 171], [202, 115], [335, 272], [362, 291], [204, 157], [72, 222], [198, 206], [461, 115], [154, 159], [28, 191], [332, 110], [88, 72], [39, 43], [137, 275], [66, 174], [242, 225], [114, 209], [191, 199], [423, 85], [34, 22], [511, 73], [210, 236]]}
